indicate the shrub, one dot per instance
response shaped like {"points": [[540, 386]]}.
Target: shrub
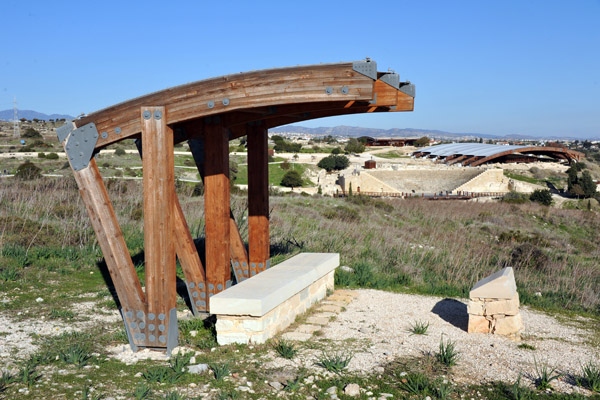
{"points": [[291, 179], [41, 155], [334, 163], [336, 150], [119, 151], [52, 156], [354, 146], [32, 133], [28, 171], [285, 165], [220, 370], [542, 196], [513, 197], [423, 141]]}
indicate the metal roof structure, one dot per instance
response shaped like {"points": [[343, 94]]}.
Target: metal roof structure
{"points": [[474, 154]]}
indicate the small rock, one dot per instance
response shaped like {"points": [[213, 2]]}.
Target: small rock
{"points": [[276, 385], [198, 368], [192, 385], [193, 333], [386, 395], [39, 299], [138, 375], [235, 375], [243, 388], [538, 294], [332, 390], [193, 360], [352, 389], [346, 268]]}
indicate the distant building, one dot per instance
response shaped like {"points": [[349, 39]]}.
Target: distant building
{"points": [[369, 141]]}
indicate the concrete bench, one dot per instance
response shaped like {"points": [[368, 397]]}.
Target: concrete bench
{"points": [[260, 307]]}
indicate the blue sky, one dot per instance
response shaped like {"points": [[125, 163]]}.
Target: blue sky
{"points": [[497, 67]]}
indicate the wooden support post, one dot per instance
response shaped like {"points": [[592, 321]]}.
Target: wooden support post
{"points": [[159, 229], [258, 198], [188, 256], [216, 208], [239, 256]]}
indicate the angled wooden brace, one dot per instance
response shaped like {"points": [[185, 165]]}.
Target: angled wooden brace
{"points": [[239, 256], [78, 145], [185, 249]]}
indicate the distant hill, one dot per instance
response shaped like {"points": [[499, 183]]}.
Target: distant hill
{"points": [[357, 131], [7, 115]]}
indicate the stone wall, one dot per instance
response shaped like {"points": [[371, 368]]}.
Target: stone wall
{"points": [[490, 180], [257, 329]]}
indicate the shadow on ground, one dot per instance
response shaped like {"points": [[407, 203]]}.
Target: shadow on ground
{"points": [[452, 311]]}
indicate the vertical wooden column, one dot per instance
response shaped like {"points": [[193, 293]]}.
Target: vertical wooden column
{"points": [[258, 198], [185, 248], [159, 228], [239, 256], [216, 207]]}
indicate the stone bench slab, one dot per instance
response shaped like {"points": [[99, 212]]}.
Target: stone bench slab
{"points": [[263, 292]]}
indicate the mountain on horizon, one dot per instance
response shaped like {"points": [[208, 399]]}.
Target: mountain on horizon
{"points": [[7, 115], [357, 131]]}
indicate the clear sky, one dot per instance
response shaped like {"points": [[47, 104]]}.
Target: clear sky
{"points": [[497, 67]]}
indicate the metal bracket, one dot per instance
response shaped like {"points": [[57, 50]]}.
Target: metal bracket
{"points": [[63, 131], [172, 332], [366, 67], [391, 79], [134, 348], [374, 101], [408, 88], [81, 144]]}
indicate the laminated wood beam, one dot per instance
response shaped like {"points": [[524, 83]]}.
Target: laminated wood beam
{"points": [[239, 255], [217, 208], [160, 325], [185, 248], [111, 241], [258, 198]]}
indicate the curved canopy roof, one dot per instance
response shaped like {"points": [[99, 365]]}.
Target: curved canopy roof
{"points": [[479, 153]]}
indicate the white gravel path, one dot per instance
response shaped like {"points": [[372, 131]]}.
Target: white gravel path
{"points": [[375, 327]]}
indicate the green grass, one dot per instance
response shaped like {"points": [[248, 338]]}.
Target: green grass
{"points": [[523, 178], [447, 353], [544, 376], [275, 173]]}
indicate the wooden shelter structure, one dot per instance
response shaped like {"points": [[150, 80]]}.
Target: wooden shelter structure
{"points": [[207, 114]]}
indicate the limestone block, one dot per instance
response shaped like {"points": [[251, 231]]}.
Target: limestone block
{"points": [[475, 307], [510, 325], [253, 325], [499, 285], [224, 324], [478, 324], [507, 307], [317, 320], [229, 338], [331, 308]]}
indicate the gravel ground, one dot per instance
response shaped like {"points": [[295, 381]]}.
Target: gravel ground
{"points": [[375, 326]]}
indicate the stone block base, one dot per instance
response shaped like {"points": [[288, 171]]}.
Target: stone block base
{"points": [[497, 316], [257, 329]]}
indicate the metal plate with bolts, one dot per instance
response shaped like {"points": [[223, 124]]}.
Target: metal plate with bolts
{"points": [[366, 67], [157, 115], [80, 146], [63, 131], [147, 114], [172, 332], [408, 88], [391, 79]]}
